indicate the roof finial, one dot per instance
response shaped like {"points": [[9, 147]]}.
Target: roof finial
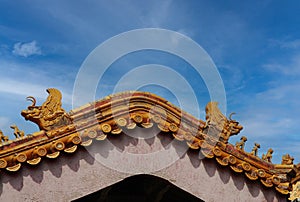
{"points": [[255, 149], [287, 160], [50, 114], [241, 144], [218, 124], [268, 157], [17, 131]]}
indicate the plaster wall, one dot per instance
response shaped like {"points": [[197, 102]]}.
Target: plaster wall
{"points": [[71, 176]]}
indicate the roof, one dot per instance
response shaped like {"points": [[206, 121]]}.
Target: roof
{"points": [[65, 132]]}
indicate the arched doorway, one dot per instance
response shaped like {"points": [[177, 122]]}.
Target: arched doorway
{"points": [[140, 188]]}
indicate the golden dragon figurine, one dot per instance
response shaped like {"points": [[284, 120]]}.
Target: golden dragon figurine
{"points": [[50, 115]]}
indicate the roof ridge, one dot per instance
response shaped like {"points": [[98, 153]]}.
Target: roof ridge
{"points": [[61, 131]]}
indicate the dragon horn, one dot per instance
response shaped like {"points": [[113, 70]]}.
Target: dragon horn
{"points": [[231, 115], [32, 99]]}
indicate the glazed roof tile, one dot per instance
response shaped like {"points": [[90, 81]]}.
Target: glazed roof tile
{"points": [[65, 132]]}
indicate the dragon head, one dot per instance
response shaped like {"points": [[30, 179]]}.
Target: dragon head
{"points": [[219, 124], [50, 114]]}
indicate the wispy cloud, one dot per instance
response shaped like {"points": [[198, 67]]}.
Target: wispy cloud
{"points": [[289, 68], [158, 14], [23, 80], [285, 44], [27, 49], [270, 117], [283, 94], [12, 86]]}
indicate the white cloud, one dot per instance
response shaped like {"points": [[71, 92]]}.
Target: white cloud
{"points": [[285, 44], [157, 14], [286, 93], [291, 44], [274, 111], [26, 88], [21, 80], [271, 118], [27, 49], [289, 68]]}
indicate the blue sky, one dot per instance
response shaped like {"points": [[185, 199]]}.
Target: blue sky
{"points": [[255, 46]]}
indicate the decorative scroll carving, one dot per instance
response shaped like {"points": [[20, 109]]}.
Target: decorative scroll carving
{"points": [[17, 132], [295, 194], [3, 138], [267, 157], [50, 115], [255, 149], [219, 124], [287, 160], [241, 144]]}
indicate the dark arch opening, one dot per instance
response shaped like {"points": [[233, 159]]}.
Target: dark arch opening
{"points": [[140, 188]]}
